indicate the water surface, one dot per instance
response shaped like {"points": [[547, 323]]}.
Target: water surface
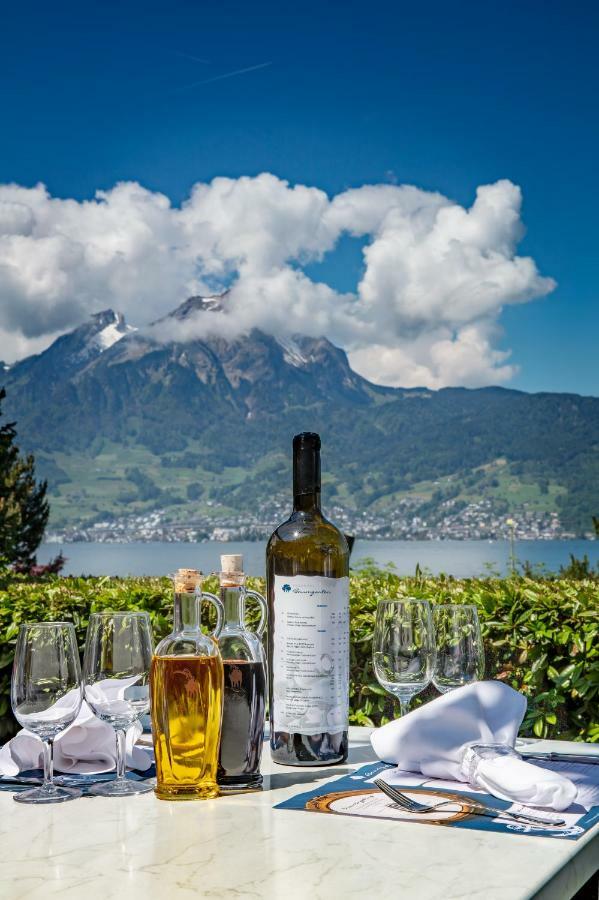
{"points": [[459, 558]]}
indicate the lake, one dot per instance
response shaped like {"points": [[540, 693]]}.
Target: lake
{"points": [[459, 558]]}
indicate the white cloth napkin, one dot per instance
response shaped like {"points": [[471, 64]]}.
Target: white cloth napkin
{"points": [[86, 747], [515, 779], [434, 738]]}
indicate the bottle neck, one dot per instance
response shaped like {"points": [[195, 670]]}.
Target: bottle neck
{"points": [[187, 611], [233, 600], [307, 502], [306, 478]]}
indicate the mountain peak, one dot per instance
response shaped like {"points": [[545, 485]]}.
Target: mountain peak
{"points": [[197, 303], [107, 317], [109, 327]]}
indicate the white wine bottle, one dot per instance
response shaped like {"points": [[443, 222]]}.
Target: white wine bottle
{"points": [[307, 571]]}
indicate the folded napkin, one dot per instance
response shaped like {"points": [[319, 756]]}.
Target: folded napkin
{"points": [[510, 777], [436, 738], [87, 747]]}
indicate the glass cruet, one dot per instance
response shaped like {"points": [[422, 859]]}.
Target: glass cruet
{"points": [[244, 664], [186, 684], [235, 640]]}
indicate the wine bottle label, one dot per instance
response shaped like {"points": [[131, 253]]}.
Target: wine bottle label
{"points": [[311, 654]]}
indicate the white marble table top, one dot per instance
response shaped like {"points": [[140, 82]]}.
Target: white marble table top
{"points": [[238, 846]]}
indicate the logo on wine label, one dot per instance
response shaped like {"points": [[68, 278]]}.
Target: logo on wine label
{"points": [[235, 678], [308, 592], [191, 684]]}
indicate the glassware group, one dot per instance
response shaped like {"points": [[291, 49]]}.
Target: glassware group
{"points": [[414, 644], [206, 692]]}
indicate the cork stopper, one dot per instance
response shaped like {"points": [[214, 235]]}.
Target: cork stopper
{"points": [[231, 563], [187, 580], [231, 569]]}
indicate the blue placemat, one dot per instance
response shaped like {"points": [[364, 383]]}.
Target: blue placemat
{"points": [[83, 782], [355, 795]]}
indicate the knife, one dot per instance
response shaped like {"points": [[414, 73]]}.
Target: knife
{"points": [[591, 759]]}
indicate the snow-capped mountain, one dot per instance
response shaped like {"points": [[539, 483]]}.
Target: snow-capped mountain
{"points": [[232, 406], [106, 375], [112, 332]]}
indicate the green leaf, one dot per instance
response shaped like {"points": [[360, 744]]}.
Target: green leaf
{"points": [[538, 728]]}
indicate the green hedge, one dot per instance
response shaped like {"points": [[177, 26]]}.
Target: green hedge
{"points": [[541, 635]]}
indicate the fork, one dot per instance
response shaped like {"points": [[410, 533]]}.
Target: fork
{"points": [[477, 808]]}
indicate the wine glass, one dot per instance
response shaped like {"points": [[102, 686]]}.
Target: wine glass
{"points": [[460, 652], [116, 672], [403, 648], [46, 695]]}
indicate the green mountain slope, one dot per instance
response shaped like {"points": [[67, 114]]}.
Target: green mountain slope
{"points": [[124, 423]]}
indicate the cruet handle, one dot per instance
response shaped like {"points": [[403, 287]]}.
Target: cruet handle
{"points": [[263, 611], [220, 610]]}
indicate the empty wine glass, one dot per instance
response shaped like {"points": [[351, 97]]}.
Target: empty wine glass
{"points": [[403, 648], [116, 671], [460, 652], [46, 695]]}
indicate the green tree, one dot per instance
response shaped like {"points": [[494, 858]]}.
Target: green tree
{"points": [[194, 490], [24, 509]]}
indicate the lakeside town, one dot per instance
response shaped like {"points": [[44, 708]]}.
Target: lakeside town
{"points": [[473, 521]]}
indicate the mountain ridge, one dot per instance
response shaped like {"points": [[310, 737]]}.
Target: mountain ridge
{"points": [[231, 406]]}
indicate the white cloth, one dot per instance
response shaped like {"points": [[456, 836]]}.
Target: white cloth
{"points": [[433, 739], [117, 698], [517, 780], [86, 747]]}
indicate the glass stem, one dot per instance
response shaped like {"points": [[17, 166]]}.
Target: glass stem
{"points": [[121, 753], [404, 706], [48, 763]]}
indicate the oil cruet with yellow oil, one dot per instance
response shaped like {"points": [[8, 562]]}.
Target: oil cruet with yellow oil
{"points": [[186, 688]]}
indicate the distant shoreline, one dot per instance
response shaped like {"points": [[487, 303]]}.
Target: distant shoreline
{"points": [[461, 558], [379, 540]]}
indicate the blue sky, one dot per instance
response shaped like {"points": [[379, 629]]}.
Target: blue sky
{"points": [[443, 96]]}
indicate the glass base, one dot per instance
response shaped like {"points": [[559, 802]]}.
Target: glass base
{"points": [[189, 792], [324, 749], [51, 793], [236, 783], [120, 787]]}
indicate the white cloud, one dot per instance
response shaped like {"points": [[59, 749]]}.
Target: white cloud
{"points": [[437, 359], [436, 275]]}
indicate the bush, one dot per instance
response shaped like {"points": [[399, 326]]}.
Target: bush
{"points": [[541, 635]]}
